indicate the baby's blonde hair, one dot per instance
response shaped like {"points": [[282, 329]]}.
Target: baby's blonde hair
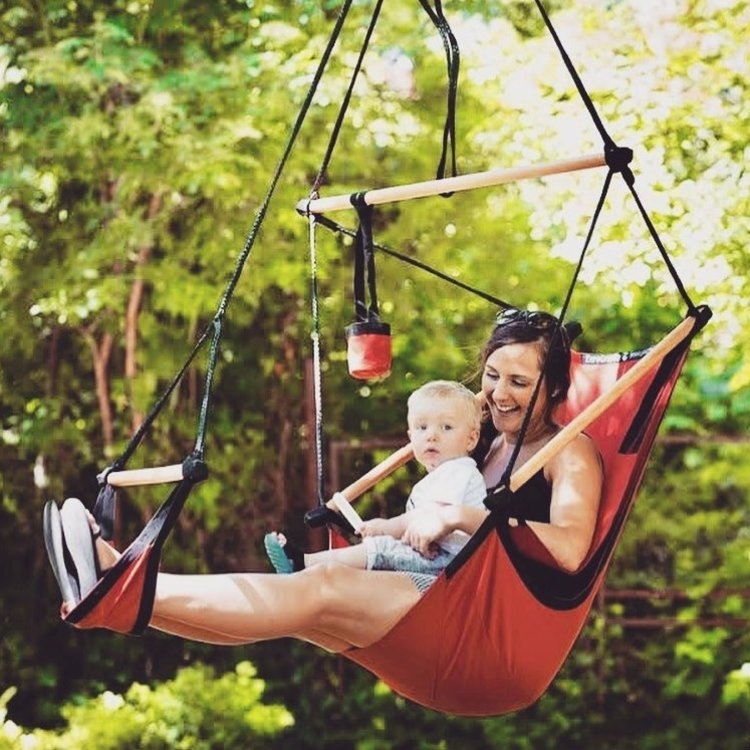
{"points": [[450, 389]]}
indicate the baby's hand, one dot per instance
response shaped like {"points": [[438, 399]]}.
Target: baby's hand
{"points": [[375, 527]]}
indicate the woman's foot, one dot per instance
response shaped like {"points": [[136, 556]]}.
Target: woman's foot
{"points": [[284, 556], [77, 553], [106, 554]]}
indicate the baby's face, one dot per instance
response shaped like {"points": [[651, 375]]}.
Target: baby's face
{"points": [[439, 430]]}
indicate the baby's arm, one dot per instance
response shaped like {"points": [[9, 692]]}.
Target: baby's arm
{"points": [[394, 527]]}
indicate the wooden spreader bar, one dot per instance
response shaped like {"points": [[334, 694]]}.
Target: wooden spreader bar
{"points": [[457, 184]]}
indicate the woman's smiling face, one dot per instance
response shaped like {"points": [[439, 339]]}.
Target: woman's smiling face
{"points": [[508, 382]]}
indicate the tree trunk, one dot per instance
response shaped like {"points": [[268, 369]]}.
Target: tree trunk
{"points": [[132, 314], [101, 352]]}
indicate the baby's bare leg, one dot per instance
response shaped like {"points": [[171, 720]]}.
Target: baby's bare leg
{"points": [[354, 556]]}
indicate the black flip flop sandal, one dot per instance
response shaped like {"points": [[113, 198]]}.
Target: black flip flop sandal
{"points": [[55, 545], [80, 543]]}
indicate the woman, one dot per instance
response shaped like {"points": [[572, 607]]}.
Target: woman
{"points": [[338, 607]]}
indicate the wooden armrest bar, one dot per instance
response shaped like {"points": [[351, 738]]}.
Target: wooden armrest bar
{"points": [[577, 425], [138, 477], [574, 428], [386, 467], [380, 196]]}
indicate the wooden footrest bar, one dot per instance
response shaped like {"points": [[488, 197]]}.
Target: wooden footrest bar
{"points": [[138, 477]]}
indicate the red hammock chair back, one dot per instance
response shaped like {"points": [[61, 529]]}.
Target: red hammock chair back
{"points": [[491, 638]]}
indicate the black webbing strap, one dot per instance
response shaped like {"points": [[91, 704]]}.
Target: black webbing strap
{"points": [[453, 60], [608, 141], [345, 103], [559, 337], [144, 427], [260, 216], [640, 422], [692, 309], [618, 158], [364, 264], [216, 326], [339, 228], [105, 505]]}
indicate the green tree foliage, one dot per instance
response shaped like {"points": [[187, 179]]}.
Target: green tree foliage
{"points": [[196, 711], [138, 141]]}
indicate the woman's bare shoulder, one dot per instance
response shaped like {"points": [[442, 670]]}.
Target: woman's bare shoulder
{"points": [[580, 454]]}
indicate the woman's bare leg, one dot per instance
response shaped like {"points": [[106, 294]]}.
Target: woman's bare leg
{"points": [[332, 606], [338, 603], [184, 630], [194, 633]]}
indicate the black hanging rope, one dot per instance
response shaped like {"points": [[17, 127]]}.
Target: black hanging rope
{"points": [[260, 216], [158, 406], [216, 325], [558, 339], [608, 141], [662, 250]]}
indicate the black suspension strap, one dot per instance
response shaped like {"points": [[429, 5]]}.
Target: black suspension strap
{"points": [[559, 339], [215, 328], [260, 216], [340, 229], [345, 103], [453, 60], [105, 505], [364, 265], [608, 141], [618, 158], [368, 339], [662, 250]]}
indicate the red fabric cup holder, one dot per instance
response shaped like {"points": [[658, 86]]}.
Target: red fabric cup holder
{"points": [[368, 349]]}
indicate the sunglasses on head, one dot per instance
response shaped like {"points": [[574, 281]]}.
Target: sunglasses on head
{"points": [[536, 319]]}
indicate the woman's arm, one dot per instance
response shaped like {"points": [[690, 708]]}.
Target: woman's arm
{"points": [[576, 478]]}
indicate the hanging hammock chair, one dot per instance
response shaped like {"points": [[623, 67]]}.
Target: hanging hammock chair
{"points": [[491, 633]]}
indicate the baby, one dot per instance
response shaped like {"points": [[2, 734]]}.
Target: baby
{"points": [[443, 424]]}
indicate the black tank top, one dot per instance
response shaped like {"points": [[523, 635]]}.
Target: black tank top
{"points": [[533, 500]]}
